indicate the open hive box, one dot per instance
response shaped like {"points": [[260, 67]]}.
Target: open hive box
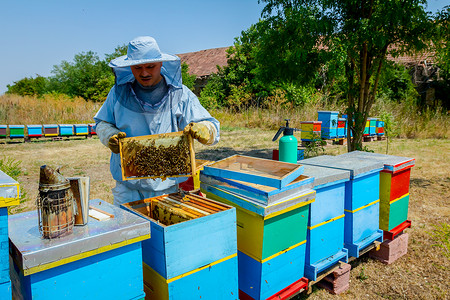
{"points": [[188, 232], [157, 156]]}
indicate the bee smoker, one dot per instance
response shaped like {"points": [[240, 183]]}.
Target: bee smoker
{"points": [[55, 204]]}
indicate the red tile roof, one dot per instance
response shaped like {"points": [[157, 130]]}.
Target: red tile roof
{"points": [[204, 62]]}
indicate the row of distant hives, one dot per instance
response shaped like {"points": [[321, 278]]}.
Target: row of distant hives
{"points": [[330, 126], [28, 132]]}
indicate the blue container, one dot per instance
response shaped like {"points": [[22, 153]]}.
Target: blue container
{"points": [[325, 246], [5, 291], [101, 260], [262, 279], [34, 131], [329, 123], [65, 129], [81, 129], [362, 199], [4, 248], [217, 280]]}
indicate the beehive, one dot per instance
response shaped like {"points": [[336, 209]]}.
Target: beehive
{"points": [[101, 260], [65, 129], [362, 201], [160, 155], [311, 130], [193, 238], [325, 239], [372, 126], [342, 128], [366, 128], [380, 128], [34, 131], [329, 121], [16, 131], [92, 129], [3, 129], [394, 186], [81, 129], [50, 130]]}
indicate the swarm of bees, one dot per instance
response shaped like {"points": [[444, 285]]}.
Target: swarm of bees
{"points": [[145, 158]]}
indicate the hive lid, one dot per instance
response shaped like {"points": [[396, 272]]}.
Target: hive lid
{"points": [[34, 254], [391, 163], [255, 170], [356, 165], [9, 190], [288, 203], [323, 176]]}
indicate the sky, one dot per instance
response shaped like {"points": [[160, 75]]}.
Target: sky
{"points": [[37, 35]]}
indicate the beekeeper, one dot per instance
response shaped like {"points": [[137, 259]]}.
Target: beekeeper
{"points": [[148, 97]]}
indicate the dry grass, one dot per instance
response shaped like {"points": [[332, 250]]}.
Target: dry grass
{"points": [[422, 274]]}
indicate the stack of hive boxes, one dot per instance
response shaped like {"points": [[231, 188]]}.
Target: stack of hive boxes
{"points": [[329, 121], [325, 240], [372, 126], [367, 128], [394, 187], [192, 252], [272, 199], [311, 130], [362, 202], [9, 195], [380, 128], [342, 128]]}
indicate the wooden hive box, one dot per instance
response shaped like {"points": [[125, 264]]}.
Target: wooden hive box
{"points": [[271, 239], [101, 260], [81, 129], [311, 130], [342, 128], [34, 131], [362, 202], [3, 129], [158, 156], [65, 129], [325, 238], [373, 126], [16, 131], [380, 128], [92, 129], [255, 170], [394, 186], [50, 130], [329, 121], [193, 248]]}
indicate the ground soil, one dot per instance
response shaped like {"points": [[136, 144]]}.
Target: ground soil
{"points": [[421, 274]]}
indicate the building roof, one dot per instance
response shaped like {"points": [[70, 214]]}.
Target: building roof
{"points": [[205, 62]]}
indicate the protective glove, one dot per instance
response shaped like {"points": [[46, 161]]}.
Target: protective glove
{"points": [[113, 142], [198, 131]]}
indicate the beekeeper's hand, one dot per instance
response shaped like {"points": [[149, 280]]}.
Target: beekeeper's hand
{"points": [[113, 142], [200, 131]]}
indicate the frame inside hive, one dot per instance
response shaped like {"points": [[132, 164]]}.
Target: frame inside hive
{"points": [[157, 156]]}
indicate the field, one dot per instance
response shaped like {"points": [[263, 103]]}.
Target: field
{"points": [[422, 274]]}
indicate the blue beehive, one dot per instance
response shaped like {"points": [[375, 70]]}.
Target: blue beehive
{"points": [[329, 123], [101, 260], [34, 131], [325, 240], [193, 246], [81, 129], [372, 126], [342, 128], [362, 199], [65, 129]]}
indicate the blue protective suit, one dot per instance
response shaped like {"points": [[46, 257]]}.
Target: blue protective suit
{"points": [[122, 110]]}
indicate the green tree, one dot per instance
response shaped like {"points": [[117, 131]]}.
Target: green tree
{"points": [[29, 86], [310, 34], [188, 80], [442, 44], [83, 77]]}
